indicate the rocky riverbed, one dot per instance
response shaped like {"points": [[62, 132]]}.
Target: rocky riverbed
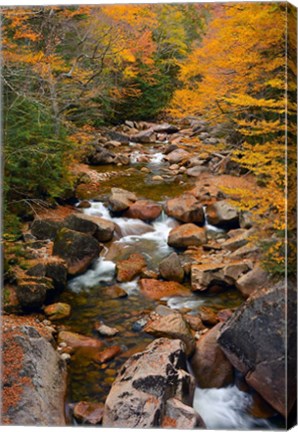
{"points": [[148, 289]]}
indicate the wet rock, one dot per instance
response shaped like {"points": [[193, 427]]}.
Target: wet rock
{"points": [[149, 274], [187, 235], [210, 366], [33, 377], [128, 269], [76, 340], [44, 229], [122, 159], [177, 156], [185, 209], [252, 281], [144, 210], [180, 416], [32, 292], [115, 291], [77, 249], [223, 215], [157, 178], [145, 383], [84, 204], [57, 311], [259, 344], [170, 268], [105, 330], [107, 354], [163, 310], [95, 226], [156, 289], [120, 199], [173, 327], [90, 413], [139, 325]]}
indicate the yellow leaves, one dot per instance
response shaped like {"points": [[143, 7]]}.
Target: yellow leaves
{"points": [[128, 56]]}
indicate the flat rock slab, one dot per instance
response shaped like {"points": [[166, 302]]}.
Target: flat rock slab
{"points": [[156, 289]]}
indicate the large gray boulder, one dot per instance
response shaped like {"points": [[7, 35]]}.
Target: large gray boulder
{"points": [[44, 229], [260, 341], [142, 395], [101, 229], [121, 199], [34, 377]]}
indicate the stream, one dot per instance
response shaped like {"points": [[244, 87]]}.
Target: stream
{"points": [[225, 408]]}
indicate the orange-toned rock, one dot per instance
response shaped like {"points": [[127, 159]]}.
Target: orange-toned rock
{"points": [[107, 354], [185, 208], [144, 210], [187, 235], [128, 269], [88, 412], [210, 366], [156, 289], [57, 311], [76, 340]]}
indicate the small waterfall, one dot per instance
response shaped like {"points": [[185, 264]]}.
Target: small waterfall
{"points": [[102, 271], [156, 158], [184, 302], [226, 408], [98, 209], [208, 226]]}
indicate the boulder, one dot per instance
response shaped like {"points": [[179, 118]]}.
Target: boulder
{"points": [[262, 345], [187, 235], [208, 316], [144, 137], [170, 148], [54, 269], [185, 209], [165, 128], [236, 241], [44, 229], [57, 311], [216, 276], [210, 366], [84, 204], [33, 376], [223, 215], [99, 228], [76, 340], [101, 157], [245, 220], [144, 210], [120, 199], [177, 156], [196, 171], [180, 416], [128, 269], [172, 326], [90, 413], [145, 383], [77, 249], [156, 289], [252, 281], [170, 268], [117, 136], [32, 292], [122, 159]]}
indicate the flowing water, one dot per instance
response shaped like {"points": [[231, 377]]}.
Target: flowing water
{"points": [[225, 408]]}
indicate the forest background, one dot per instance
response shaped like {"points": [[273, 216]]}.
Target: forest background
{"points": [[67, 71]]}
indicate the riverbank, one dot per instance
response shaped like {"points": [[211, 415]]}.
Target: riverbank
{"points": [[151, 248]]}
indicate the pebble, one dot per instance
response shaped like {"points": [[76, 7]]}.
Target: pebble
{"points": [[66, 357], [157, 178]]}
